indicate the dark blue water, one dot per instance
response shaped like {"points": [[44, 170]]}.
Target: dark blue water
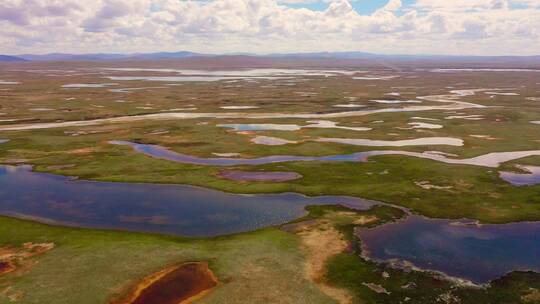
{"points": [[477, 253], [523, 179], [172, 209]]}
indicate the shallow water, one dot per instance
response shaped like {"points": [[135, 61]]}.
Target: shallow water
{"points": [[180, 78], [502, 93], [271, 141], [88, 85], [269, 72], [261, 127], [392, 101], [477, 253], [451, 103], [523, 179], [349, 105], [369, 77], [426, 141], [482, 70], [129, 90], [172, 209], [480, 253], [466, 117], [492, 160], [320, 124], [423, 125], [239, 107]]}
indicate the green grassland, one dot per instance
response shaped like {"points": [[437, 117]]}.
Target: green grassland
{"points": [[93, 266], [476, 192]]}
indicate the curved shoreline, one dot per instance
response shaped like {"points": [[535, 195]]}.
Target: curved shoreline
{"points": [[491, 160], [445, 237], [324, 202]]}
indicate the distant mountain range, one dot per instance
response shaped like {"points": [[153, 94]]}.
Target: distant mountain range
{"points": [[314, 55], [106, 56], [11, 58]]}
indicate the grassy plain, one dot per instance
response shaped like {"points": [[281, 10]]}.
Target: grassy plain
{"points": [[91, 266], [269, 265]]}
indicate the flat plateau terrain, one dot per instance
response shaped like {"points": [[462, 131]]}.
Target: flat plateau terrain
{"points": [[180, 182]]}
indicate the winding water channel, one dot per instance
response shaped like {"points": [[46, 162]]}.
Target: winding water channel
{"points": [[479, 253], [492, 160]]}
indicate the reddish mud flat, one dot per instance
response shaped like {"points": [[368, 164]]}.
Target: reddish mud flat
{"points": [[175, 285], [259, 176]]}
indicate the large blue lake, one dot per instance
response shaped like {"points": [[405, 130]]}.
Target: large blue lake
{"points": [[172, 209]]}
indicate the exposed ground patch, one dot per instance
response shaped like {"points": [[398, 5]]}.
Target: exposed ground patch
{"points": [[174, 285], [12, 258]]}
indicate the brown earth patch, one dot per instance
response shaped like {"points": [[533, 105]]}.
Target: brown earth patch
{"points": [[321, 241], [83, 150], [174, 285], [533, 296], [6, 266], [364, 220], [356, 218], [12, 258]]}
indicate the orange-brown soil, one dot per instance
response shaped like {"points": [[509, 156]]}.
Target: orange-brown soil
{"points": [[321, 241], [174, 285], [12, 258]]}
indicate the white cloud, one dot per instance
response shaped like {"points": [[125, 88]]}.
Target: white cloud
{"points": [[427, 26]]}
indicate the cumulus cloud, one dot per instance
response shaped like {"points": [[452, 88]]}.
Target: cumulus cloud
{"points": [[263, 26]]}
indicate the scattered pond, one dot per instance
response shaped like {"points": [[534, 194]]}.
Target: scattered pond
{"points": [[349, 105], [426, 141], [239, 107], [244, 73], [261, 127], [271, 141], [451, 104], [476, 253], [88, 85], [423, 125], [320, 124], [393, 101], [483, 70], [369, 77], [523, 179]]}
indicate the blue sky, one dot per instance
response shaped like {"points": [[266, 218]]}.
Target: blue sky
{"points": [[363, 7], [449, 27]]}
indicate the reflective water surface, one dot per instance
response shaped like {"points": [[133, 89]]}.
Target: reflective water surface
{"points": [[523, 179], [172, 209], [477, 253], [486, 160]]}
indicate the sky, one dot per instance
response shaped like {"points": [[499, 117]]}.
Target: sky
{"points": [[444, 27]]}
